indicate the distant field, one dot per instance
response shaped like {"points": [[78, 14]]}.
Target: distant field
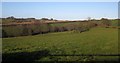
{"points": [[96, 41]]}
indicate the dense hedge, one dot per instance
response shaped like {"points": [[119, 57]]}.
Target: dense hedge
{"points": [[41, 28]]}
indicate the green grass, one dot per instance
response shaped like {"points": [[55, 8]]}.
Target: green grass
{"points": [[96, 41], [63, 24], [115, 23]]}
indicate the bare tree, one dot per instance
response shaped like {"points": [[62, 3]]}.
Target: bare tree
{"points": [[89, 18]]}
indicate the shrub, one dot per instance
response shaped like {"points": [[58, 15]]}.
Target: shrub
{"points": [[82, 27], [44, 19], [12, 31], [44, 28], [70, 27], [26, 31], [41, 28], [52, 28], [60, 29], [4, 33], [106, 22], [35, 29]]}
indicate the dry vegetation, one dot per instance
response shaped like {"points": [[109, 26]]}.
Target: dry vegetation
{"points": [[23, 27], [13, 27], [38, 39]]}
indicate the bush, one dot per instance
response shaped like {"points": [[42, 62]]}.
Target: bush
{"points": [[44, 28], [60, 29], [70, 27], [82, 27], [26, 30], [44, 19], [41, 28], [106, 22], [4, 33], [35, 29], [12, 31], [52, 28]]}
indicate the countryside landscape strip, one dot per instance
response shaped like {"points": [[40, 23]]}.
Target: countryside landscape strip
{"points": [[59, 32]]}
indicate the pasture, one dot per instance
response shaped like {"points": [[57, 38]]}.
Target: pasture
{"points": [[97, 40]]}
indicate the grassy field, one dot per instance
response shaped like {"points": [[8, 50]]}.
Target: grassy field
{"points": [[29, 48]]}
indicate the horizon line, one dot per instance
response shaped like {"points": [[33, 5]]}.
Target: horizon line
{"points": [[62, 19]]}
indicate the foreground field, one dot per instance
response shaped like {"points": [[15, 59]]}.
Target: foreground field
{"points": [[95, 41]]}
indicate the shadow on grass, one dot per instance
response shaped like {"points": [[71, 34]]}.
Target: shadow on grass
{"points": [[30, 57], [24, 57]]}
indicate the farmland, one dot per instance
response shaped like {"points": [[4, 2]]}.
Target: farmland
{"points": [[97, 40], [33, 40], [59, 32]]}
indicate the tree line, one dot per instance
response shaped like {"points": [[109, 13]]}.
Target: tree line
{"points": [[42, 28]]}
